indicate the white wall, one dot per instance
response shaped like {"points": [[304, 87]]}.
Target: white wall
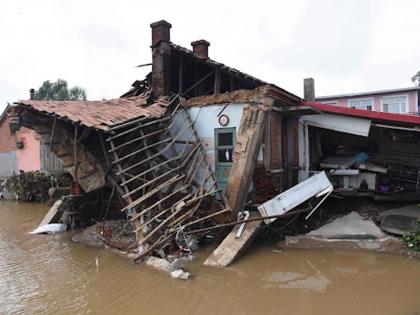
{"points": [[206, 121]]}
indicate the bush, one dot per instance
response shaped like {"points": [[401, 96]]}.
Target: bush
{"points": [[412, 240]]}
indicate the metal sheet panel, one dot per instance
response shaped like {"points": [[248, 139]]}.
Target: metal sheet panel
{"points": [[8, 164], [314, 186], [351, 125]]}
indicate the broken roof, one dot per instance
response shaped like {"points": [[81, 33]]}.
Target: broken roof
{"points": [[245, 96], [99, 114], [215, 64], [368, 114]]}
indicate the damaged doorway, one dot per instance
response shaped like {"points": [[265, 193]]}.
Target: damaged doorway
{"points": [[225, 139]]}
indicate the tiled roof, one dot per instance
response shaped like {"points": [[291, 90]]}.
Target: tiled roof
{"points": [[99, 114]]}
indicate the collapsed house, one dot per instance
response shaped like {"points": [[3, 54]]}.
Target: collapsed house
{"points": [[183, 148], [187, 148]]}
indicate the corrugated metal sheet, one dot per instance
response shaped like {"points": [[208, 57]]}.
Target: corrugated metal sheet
{"points": [[373, 115], [351, 125], [8, 164], [99, 114], [316, 185]]}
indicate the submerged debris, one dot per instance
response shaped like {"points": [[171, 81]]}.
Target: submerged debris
{"points": [[114, 233]]}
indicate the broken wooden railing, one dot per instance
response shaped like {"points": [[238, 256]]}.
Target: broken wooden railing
{"points": [[164, 177]]}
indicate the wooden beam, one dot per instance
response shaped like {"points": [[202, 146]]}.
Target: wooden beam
{"points": [[181, 75], [76, 131], [52, 133], [246, 150], [217, 81]]}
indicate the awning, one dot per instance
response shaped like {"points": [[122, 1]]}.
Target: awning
{"points": [[351, 125]]}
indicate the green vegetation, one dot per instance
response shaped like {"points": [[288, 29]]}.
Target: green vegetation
{"points": [[59, 91], [412, 240], [31, 186]]}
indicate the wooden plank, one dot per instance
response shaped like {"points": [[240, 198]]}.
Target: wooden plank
{"points": [[154, 133], [245, 155], [53, 214], [217, 80], [231, 247]]}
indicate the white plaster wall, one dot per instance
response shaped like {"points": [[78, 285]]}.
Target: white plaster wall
{"points": [[206, 121]]}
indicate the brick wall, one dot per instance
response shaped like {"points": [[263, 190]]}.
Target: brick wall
{"points": [[7, 140], [266, 184], [275, 140]]}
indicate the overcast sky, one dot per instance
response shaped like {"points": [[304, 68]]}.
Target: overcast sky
{"points": [[346, 46]]}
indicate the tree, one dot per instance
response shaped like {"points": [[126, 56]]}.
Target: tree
{"points": [[59, 91], [416, 78]]}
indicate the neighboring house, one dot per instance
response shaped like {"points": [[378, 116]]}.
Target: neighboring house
{"points": [[24, 150], [397, 101]]}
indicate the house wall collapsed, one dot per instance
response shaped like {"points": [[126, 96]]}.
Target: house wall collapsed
{"points": [[184, 152]]}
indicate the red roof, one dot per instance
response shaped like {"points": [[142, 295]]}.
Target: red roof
{"points": [[368, 114], [100, 114]]}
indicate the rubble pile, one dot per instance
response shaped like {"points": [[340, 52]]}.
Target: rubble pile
{"points": [[114, 233]]}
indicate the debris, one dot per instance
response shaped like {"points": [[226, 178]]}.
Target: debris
{"points": [[54, 214], [53, 228], [232, 247], [338, 162], [173, 268], [180, 274], [349, 226], [317, 185], [372, 167], [114, 233], [348, 232], [242, 226]]}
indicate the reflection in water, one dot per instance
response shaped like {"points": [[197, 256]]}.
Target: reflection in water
{"points": [[43, 274]]}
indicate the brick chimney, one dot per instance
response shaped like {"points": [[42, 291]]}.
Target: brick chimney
{"points": [[161, 58], [161, 31], [309, 89], [31, 94], [201, 48]]}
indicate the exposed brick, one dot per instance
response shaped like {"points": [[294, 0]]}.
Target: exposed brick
{"points": [[201, 48], [266, 184]]}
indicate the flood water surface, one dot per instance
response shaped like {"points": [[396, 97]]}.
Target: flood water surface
{"points": [[42, 274]]}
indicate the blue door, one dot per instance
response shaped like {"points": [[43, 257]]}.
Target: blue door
{"points": [[225, 139]]}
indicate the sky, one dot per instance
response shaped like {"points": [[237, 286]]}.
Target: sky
{"points": [[345, 45]]}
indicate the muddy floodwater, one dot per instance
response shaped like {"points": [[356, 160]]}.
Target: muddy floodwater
{"points": [[42, 274]]}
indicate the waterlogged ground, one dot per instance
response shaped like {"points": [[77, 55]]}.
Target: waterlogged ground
{"points": [[52, 275]]}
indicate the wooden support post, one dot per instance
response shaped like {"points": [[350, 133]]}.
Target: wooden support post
{"points": [[181, 75], [217, 76], [128, 199], [246, 150], [104, 151], [76, 131], [52, 133]]}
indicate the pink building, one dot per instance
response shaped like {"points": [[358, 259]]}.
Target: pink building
{"points": [[24, 150], [399, 101]]}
